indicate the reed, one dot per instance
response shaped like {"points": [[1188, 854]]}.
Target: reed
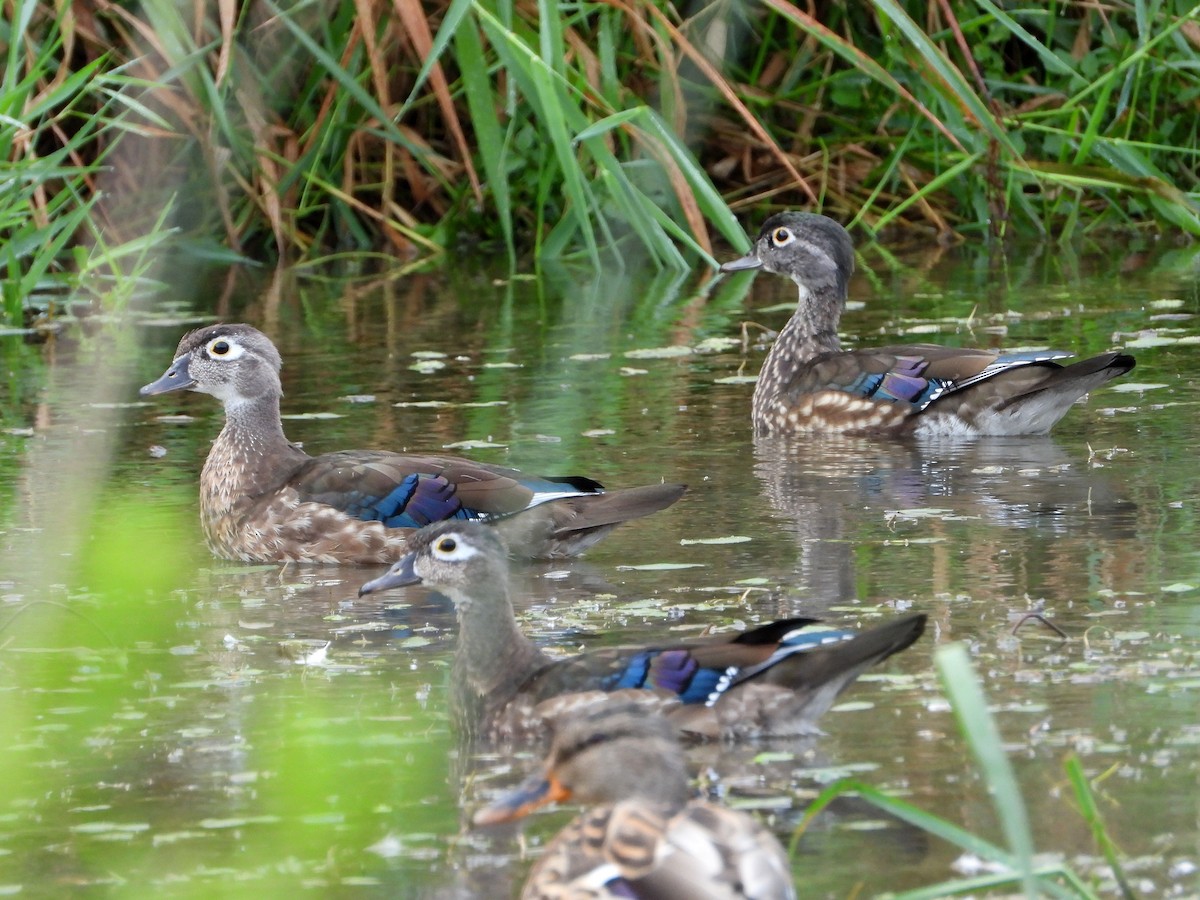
{"points": [[593, 129], [988, 117]]}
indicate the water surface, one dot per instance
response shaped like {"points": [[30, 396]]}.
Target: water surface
{"points": [[185, 725]]}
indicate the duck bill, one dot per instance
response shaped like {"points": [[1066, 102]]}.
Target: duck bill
{"points": [[399, 575], [176, 378], [539, 790], [742, 265]]}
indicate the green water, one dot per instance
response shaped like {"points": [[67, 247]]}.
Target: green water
{"points": [[181, 726]]}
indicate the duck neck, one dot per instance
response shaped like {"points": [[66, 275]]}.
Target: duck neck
{"points": [[648, 768], [250, 456], [494, 657], [660, 782], [810, 332]]}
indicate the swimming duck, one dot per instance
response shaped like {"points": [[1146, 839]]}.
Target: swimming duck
{"points": [[777, 679], [642, 834], [810, 385], [263, 499]]}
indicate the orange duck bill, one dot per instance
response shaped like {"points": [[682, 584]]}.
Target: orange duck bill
{"points": [[538, 790]]}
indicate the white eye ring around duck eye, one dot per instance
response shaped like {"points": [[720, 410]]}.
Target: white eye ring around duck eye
{"points": [[453, 549], [224, 348], [781, 237]]}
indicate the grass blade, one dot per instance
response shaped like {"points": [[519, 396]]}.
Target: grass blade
{"points": [[540, 85], [859, 61], [970, 708], [489, 136], [950, 75], [1091, 815], [1051, 61], [906, 812]]}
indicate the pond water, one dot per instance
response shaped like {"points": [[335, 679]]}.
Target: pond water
{"points": [[182, 725]]}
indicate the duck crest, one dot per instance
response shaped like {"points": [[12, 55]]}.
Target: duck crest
{"points": [[491, 647]]}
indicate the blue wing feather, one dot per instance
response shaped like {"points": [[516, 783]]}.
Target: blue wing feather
{"points": [[416, 501], [410, 492], [679, 672], [675, 671], [903, 383], [637, 668]]}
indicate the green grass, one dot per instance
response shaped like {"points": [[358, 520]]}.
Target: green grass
{"points": [[59, 127], [1015, 857], [1046, 119], [597, 132]]}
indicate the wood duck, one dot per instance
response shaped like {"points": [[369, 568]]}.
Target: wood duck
{"points": [[810, 385], [263, 499], [777, 679], [642, 835]]}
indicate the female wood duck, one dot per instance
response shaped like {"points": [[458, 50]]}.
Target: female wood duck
{"points": [[263, 499], [777, 679], [642, 835], [809, 384]]}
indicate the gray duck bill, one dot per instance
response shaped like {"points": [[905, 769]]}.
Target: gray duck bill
{"points": [[399, 575], [741, 265], [176, 378]]}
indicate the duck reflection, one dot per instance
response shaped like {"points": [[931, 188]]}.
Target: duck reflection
{"points": [[849, 501]]}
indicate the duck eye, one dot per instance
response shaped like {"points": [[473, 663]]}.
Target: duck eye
{"points": [[219, 348], [781, 237], [447, 545]]}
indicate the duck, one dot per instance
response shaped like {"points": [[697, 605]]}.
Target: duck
{"points": [[810, 385], [642, 834], [265, 500], [773, 680]]}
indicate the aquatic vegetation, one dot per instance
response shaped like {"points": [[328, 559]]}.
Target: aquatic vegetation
{"points": [[406, 129], [1010, 866], [61, 123]]}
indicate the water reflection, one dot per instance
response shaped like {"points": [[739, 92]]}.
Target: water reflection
{"points": [[203, 744], [839, 495]]}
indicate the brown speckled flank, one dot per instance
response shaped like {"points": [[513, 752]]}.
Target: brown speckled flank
{"points": [[810, 385], [262, 499], [642, 835], [826, 411]]}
